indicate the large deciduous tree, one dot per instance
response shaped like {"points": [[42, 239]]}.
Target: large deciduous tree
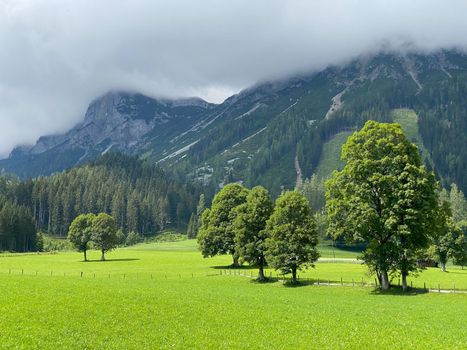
{"points": [[293, 235], [250, 228], [216, 234], [383, 196], [79, 233], [104, 233]]}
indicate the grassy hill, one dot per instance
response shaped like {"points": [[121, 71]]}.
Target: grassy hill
{"points": [[408, 120], [331, 156], [165, 295]]}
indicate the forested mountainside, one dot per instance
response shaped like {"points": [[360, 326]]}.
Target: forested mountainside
{"points": [[273, 132], [139, 195]]}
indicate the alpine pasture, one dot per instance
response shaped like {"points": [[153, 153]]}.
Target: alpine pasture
{"points": [[165, 295]]}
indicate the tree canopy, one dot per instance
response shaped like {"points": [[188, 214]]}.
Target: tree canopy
{"points": [[383, 196], [104, 233], [250, 228], [216, 234], [292, 235], [79, 233]]}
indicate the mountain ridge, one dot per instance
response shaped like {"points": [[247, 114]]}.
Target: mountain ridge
{"points": [[255, 136]]}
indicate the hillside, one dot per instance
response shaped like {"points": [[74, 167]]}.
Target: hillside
{"points": [[262, 134]]}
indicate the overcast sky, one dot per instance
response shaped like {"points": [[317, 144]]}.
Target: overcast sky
{"points": [[57, 55]]}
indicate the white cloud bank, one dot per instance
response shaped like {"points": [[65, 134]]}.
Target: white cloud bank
{"points": [[57, 55]]}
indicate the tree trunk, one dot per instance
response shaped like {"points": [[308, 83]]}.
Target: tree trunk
{"points": [[261, 276], [443, 266], [404, 282], [235, 261], [85, 257], [294, 275], [378, 275], [384, 280], [102, 256], [261, 263]]}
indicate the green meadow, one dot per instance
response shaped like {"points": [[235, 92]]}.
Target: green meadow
{"points": [[165, 295]]}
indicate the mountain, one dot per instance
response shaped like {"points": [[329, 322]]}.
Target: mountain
{"points": [[117, 121], [277, 131]]}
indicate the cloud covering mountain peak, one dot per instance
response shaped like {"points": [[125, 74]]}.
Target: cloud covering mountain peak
{"points": [[60, 54]]}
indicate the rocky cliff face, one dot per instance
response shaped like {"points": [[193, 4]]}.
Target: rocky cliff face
{"points": [[116, 121]]}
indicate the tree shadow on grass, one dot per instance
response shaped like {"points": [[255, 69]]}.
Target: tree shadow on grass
{"points": [[111, 260], [397, 291], [302, 283], [458, 272], [265, 281], [230, 267]]}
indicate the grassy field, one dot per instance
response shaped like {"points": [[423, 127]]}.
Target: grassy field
{"points": [[165, 295]]}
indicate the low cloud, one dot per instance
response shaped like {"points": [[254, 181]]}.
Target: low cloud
{"points": [[57, 55]]}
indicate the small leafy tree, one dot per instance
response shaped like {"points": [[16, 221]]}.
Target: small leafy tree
{"points": [[459, 253], [291, 245], [104, 233], [443, 237], [79, 233], [192, 227], [250, 228], [458, 204], [195, 218], [216, 234], [133, 238]]}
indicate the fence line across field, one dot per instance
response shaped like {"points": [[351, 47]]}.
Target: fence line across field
{"points": [[436, 287]]}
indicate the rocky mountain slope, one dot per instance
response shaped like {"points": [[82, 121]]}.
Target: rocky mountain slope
{"points": [[117, 121], [269, 133]]}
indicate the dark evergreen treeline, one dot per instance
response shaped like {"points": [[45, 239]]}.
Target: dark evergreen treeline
{"points": [[443, 126], [17, 228], [140, 196]]}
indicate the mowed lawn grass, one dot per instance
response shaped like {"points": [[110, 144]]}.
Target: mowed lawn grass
{"points": [[187, 303]]}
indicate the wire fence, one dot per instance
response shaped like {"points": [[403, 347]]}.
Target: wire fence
{"points": [[362, 282], [270, 276]]}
